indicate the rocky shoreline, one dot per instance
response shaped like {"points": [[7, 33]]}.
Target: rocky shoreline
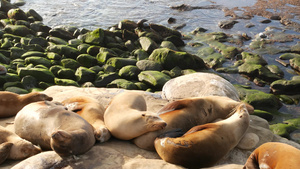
{"points": [[144, 56]]}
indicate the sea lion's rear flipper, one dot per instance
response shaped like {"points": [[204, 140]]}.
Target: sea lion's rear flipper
{"points": [[200, 127], [5, 151], [251, 162], [175, 105], [172, 133], [61, 136]]}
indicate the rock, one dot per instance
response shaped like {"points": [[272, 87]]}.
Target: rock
{"points": [[140, 54], [39, 73], [34, 14], [266, 21], [17, 14], [288, 56], [33, 53], [282, 129], [285, 87], [87, 60], [148, 65], [8, 77], [153, 78], [253, 58], [95, 37], [64, 50], [93, 50], [56, 40], [19, 30], [29, 82], [230, 52], [276, 70], [129, 72], [4, 59], [61, 33], [53, 56], [39, 40], [127, 25], [227, 24], [16, 52], [83, 47], [105, 79], [147, 44], [168, 44], [263, 114], [169, 59], [66, 73], [104, 56], [122, 83], [84, 75], [118, 63], [16, 90], [176, 40], [214, 60], [35, 60], [65, 82], [164, 31], [70, 63], [3, 70], [197, 85], [295, 63]]}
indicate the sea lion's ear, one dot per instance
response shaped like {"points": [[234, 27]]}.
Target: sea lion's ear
{"points": [[60, 135]]}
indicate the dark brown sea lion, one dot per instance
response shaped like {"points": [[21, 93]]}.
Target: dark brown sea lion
{"points": [[187, 113], [92, 111], [274, 155], [51, 126], [11, 103], [205, 145], [127, 117]]}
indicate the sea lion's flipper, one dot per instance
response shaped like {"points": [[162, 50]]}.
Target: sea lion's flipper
{"points": [[61, 136], [5, 151], [172, 133], [200, 127], [251, 162], [175, 105]]}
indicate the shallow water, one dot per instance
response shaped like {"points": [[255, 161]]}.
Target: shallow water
{"points": [[92, 14]]}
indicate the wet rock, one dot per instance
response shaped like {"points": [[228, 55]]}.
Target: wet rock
{"points": [[39, 73], [83, 48], [104, 79], [295, 63], [214, 60], [35, 60], [129, 72], [16, 52], [197, 85], [168, 44], [39, 40], [57, 41], [19, 30], [154, 78], [122, 83], [148, 65], [55, 68], [64, 50], [84, 75], [74, 43], [87, 60], [140, 54], [118, 63], [169, 59], [230, 52], [276, 70], [199, 30], [296, 48], [176, 40], [16, 90], [66, 73], [288, 87], [65, 82], [53, 56], [275, 17], [29, 82], [6, 43], [104, 55], [61, 33], [227, 24], [253, 58], [171, 20], [4, 59], [147, 44], [8, 77], [282, 129], [34, 14], [70, 63], [95, 37], [249, 25], [127, 24], [93, 50], [205, 51], [164, 31], [265, 21], [263, 114], [288, 56], [17, 14]]}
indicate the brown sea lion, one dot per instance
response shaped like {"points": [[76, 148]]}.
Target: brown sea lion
{"points": [[12, 103], [274, 155], [186, 113], [15, 148], [92, 111], [51, 126], [205, 145], [127, 117]]}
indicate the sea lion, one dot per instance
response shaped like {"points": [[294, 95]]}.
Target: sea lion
{"points": [[127, 117], [205, 145], [51, 126], [274, 155], [92, 111], [12, 103], [186, 113], [15, 148]]}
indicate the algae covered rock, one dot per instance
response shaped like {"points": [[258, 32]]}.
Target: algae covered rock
{"points": [[289, 87], [70, 63], [154, 78], [65, 82], [169, 59], [253, 58], [282, 129], [256, 70], [39, 73], [295, 63], [8, 77], [17, 90], [95, 37], [35, 60], [104, 79], [84, 74], [148, 65], [19, 30], [122, 83], [147, 44], [118, 63], [64, 50], [129, 72], [140, 54], [87, 60]]}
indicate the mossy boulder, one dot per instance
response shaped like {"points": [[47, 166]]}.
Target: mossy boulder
{"points": [[70, 63], [230, 52], [253, 58], [33, 53], [147, 44], [35, 60], [122, 83], [40, 74], [53, 56], [276, 70], [95, 37], [169, 59], [288, 56], [19, 30], [289, 87], [16, 52], [104, 56], [129, 72], [104, 79], [205, 51], [16, 90], [83, 75], [13, 84], [39, 41], [65, 82], [4, 59], [263, 114], [16, 13], [214, 60], [295, 63], [57, 41], [64, 50], [259, 71], [118, 63], [55, 68], [87, 60], [29, 82], [140, 54], [8, 77], [154, 78], [283, 129], [149, 65], [168, 44], [66, 73], [141, 86]]}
